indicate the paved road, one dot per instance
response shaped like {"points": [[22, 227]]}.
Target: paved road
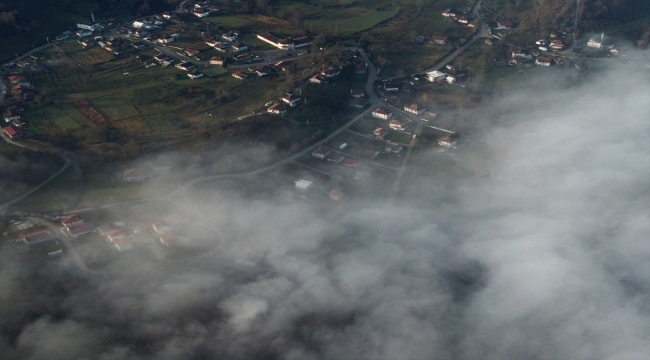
{"points": [[482, 33]]}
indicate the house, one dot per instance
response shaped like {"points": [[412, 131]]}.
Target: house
{"points": [[122, 244], [556, 45], [22, 64], [166, 238], [15, 79], [284, 65], [435, 76], [317, 79], [61, 37], [320, 152], [278, 108], [201, 13], [516, 53], [162, 57], [596, 42], [239, 47], [12, 131], [87, 43], [167, 15], [79, 229], [562, 61], [139, 45], [490, 41], [396, 124], [134, 175], [190, 52], [220, 47], [83, 33], [212, 42], [38, 237], [186, 66], [414, 109], [18, 122], [139, 24], [393, 148], [242, 57], [382, 113], [291, 99], [543, 61], [304, 185], [391, 86], [335, 157], [440, 40], [357, 92], [450, 79], [282, 44], [10, 115], [463, 20], [68, 221], [360, 67], [103, 230], [370, 153], [114, 235], [195, 75], [165, 40], [336, 195], [216, 60], [446, 141], [504, 25], [380, 132], [449, 13], [359, 103], [351, 162], [239, 75], [231, 35], [330, 72], [263, 70], [91, 27]]}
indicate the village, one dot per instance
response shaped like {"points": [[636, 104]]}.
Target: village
{"points": [[383, 124]]}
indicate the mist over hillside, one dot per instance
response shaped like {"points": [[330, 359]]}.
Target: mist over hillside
{"points": [[542, 254]]}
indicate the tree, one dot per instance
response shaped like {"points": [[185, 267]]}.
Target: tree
{"points": [[297, 17], [131, 149]]}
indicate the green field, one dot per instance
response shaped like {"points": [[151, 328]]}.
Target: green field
{"points": [[349, 20], [114, 107], [56, 116], [229, 21]]}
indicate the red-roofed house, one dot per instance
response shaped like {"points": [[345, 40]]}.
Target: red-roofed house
{"points": [[382, 113], [440, 40], [414, 109], [114, 234], [122, 244], [352, 162], [357, 92], [446, 141], [396, 124], [504, 25], [380, 132], [79, 229], [68, 221], [12, 131], [278, 108], [290, 99], [38, 237]]}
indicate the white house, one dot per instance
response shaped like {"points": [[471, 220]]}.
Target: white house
{"points": [[396, 125], [382, 113], [304, 185], [320, 153], [543, 61], [435, 76], [414, 109], [91, 27], [84, 32], [292, 100], [446, 141], [195, 75]]}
